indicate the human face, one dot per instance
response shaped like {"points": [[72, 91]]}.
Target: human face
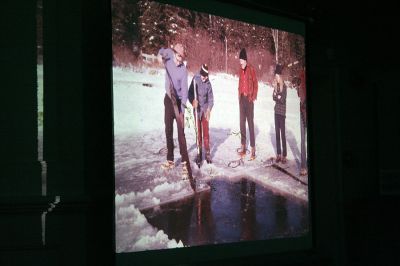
{"points": [[203, 78], [179, 58], [243, 63]]}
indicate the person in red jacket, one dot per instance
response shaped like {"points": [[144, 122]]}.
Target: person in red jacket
{"points": [[247, 92]]}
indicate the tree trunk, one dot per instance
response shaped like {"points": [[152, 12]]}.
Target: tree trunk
{"points": [[275, 35]]}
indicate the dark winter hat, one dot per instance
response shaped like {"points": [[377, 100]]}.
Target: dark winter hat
{"points": [[242, 54], [178, 48], [204, 70], [296, 81], [278, 69]]}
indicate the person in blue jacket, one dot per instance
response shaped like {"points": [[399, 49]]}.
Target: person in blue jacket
{"points": [[176, 93], [203, 103]]}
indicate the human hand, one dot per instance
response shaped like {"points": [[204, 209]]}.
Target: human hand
{"points": [[208, 114], [279, 97], [195, 103], [159, 59]]}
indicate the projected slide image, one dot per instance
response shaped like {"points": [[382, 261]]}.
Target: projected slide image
{"points": [[210, 129]]}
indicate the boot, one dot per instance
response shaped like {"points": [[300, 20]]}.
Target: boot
{"points": [[168, 165], [253, 153], [242, 151], [208, 157], [303, 172], [199, 158]]}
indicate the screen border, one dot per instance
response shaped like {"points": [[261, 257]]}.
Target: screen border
{"points": [[206, 253]]}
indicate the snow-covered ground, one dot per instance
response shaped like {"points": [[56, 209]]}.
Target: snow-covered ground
{"points": [[139, 139]]}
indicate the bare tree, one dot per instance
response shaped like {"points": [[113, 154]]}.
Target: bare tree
{"points": [[275, 35]]}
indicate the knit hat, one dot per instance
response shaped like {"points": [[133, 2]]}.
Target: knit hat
{"points": [[278, 69], [242, 54], [204, 70], [178, 48], [296, 81]]}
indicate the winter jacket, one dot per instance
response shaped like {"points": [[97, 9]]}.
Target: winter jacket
{"points": [[248, 82], [204, 92], [301, 92], [178, 75], [280, 102], [302, 88]]}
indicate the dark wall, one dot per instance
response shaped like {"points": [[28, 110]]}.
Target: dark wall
{"points": [[354, 134], [77, 133]]}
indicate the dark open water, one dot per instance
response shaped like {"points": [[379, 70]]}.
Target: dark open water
{"points": [[231, 212]]}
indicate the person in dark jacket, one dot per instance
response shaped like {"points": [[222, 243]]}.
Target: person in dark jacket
{"points": [[279, 96], [247, 92], [300, 85], [176, 92], [203, 103]]}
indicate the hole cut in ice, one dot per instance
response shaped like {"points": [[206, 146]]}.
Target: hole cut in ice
{"points": [[231, 212]]}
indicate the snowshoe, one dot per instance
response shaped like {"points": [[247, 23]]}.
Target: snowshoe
{"points": [[303, 172], [168, 165], [241, 151], [253, 154]]}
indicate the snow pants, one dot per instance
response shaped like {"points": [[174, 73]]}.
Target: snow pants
{"points": [[303, 133], [280, 133], [202, 133], [169, 116], [246, 113]]}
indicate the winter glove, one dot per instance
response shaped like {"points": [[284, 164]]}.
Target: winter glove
{"points": [[159, 59], [195, 103]]}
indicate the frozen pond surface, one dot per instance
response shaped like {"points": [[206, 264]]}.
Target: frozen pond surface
{"points": [[223, 215]]}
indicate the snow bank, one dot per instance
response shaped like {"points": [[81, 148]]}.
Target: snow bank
{"points": [[134, 233]]}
